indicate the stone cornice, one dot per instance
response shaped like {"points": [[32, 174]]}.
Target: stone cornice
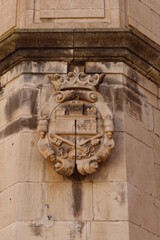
{"points": [[81, 45]]}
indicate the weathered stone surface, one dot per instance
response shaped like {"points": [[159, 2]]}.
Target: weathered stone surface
{"points": [[142, 210], [8, 203], [114, 169], [140, 166], [156, 121], [66, 230], [8, 16], [70, 200], [110, 201], [157, 179], [9, 232], [137, 232], [80, 46], [109, 230], [76, 125], [29, 201], [9, 166]]}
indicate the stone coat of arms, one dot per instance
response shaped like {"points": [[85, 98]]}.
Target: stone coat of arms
{"points": [[76, 125]]}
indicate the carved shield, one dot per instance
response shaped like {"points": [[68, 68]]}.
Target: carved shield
{"points": [[76, 125]]}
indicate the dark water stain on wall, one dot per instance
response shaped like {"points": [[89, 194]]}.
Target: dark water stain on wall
{"points": [[36, 229], [77, 198], [23, 96], [18, 125], [76, 230]]}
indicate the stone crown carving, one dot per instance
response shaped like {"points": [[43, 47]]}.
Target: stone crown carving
{"points": [[75, 79], [76, 125]]}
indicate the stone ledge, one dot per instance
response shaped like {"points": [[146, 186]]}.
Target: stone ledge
{"points": [[82, 45]]}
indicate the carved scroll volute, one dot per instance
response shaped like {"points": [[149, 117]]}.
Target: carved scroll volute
{"points": [[76, 125]]}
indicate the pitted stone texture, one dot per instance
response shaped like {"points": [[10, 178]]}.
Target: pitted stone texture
{"points": [[110, 201]]}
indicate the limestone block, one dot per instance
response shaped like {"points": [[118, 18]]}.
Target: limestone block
{"points": [[157, 180], [104, 67], [110, 230], [32, 67], [155, 141], [154, 5], [9, 232], [140, 12], [114, 169], [28, 230], [157, 121], [142, 210], [8, 204], [137, 130], [31, 163], [155, 18], [110, 201], [8, 164], [70, 200], [23, 101], [29, 201], [66, 231], [137, 232], [71, 9], [140, 165], [8, 14], [26, 163]]}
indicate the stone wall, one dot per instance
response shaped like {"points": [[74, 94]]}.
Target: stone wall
{"points": [[143, 15], [120, 201]]}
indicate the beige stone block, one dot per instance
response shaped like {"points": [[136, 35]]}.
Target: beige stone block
{"points": [[104, 67], [66, 231], [31, 165], [70, 200], [114, 169], [73, 4], [110, 201], [137, 232], [115, 18], [142, 210], [29, 201], [8, 11], [8, 233], [156, 121], [109, 230], [140, 165], [74, 9], [154, 5], [155, 141], [50, 174], [33, 67], [29, 4], [140, 12], [137, 130], [8, 205], [28, 230], [9, 162], [155, 18], [157, 179], [22, 102]]}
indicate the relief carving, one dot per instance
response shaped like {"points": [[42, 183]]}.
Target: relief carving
{"points": [[76, 125]]}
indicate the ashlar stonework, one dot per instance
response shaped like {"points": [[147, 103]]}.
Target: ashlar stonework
{"points": [[76, 125]]}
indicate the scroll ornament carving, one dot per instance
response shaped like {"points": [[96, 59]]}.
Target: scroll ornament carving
{"points": [[76, 125]]}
